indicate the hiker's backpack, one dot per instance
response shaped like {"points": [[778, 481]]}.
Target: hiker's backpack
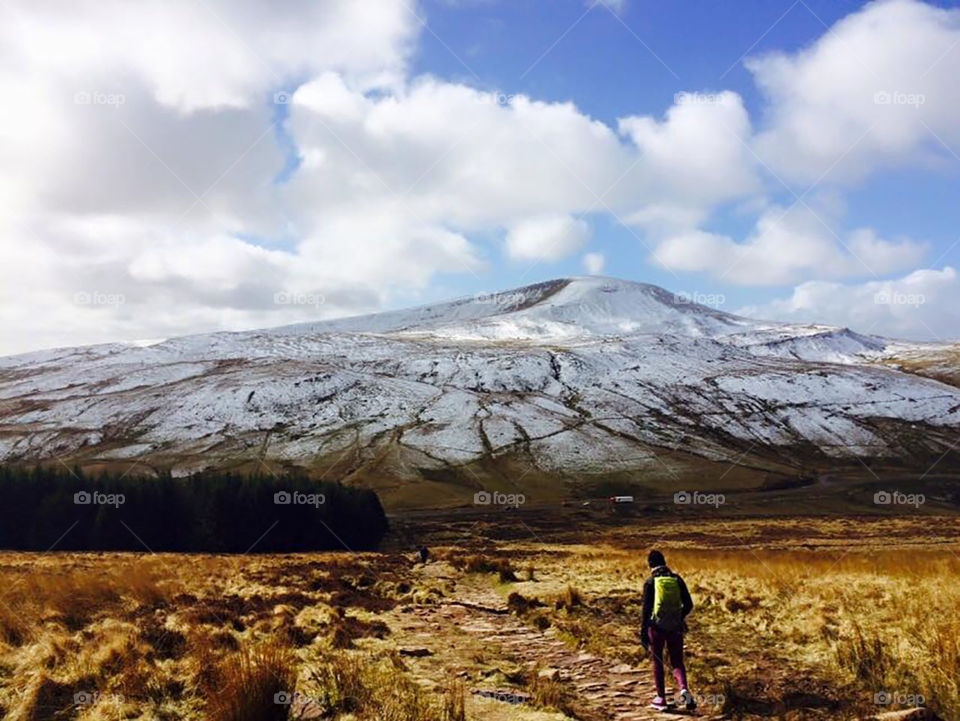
{"points": [[667, 603]]}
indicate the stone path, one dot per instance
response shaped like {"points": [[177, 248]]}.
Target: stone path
{"points": [[604, 689]]}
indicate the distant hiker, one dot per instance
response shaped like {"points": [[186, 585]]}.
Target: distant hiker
{"points": [[666, 603], [424, 554]]}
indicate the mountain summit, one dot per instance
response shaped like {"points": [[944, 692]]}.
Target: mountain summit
{"points": [[577, 380], [567, 308]]}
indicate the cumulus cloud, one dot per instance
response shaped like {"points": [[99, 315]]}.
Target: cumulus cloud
{"points": [[788, 245], [923, 305], [447, 159], [878, 89], [137, 155], [215, 55], [550, 238], [699, 155], [454, 157], [450, 154], [434, 138]]}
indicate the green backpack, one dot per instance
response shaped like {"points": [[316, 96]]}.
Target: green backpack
{"points": [[667, 603]]}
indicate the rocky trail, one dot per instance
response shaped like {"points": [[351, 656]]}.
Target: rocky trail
{"points": [[476, 619]]}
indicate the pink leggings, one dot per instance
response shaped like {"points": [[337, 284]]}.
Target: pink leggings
{"points": [[673, 640]]}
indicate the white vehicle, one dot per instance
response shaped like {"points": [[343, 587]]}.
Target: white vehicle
{"points": [[621, 499]]}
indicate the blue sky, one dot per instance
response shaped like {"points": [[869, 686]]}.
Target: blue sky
{"points": [[796, 160]]}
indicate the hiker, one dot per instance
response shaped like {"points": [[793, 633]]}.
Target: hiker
{"points": [[424, 554], [666, 603]]}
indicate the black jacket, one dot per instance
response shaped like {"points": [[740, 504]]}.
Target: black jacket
{"points": [[648, 591]]}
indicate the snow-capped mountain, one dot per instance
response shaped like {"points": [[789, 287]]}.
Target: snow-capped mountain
{"points": [[580, 378]]}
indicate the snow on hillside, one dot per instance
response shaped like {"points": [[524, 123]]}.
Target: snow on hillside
{"points": [[568, 376]]}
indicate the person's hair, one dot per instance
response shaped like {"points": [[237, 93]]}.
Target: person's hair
{"points": [[655, 558]]}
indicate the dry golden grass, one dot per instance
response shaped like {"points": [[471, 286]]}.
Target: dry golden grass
{"points": [[798, 618], [888, 621], [71, 596], [91, 636], [100, 636], [552, 694], [68, 629], [377, 689]]}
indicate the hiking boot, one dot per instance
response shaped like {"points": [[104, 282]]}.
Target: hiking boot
{"points": [[688, 700]]}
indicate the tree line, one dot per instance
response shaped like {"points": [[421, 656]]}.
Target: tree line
{"points": [[213, 511]]}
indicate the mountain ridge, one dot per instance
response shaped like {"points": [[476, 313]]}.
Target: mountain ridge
{"points": [[550, 387]]}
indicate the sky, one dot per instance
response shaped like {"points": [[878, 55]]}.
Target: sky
{"points": [[184, 166]]}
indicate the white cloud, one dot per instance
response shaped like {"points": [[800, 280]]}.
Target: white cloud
{"points": [[785, 247], [699, 155], [138, 189], [876, 90], [329, 97], [594, 263], [450, 156], [923, 305], [549, 238], [213, 55], [446, 158]]}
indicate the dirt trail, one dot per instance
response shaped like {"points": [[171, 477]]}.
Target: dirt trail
{"points": [[476, 616]]}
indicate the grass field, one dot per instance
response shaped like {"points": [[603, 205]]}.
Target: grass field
{"points": [[795, 618]]}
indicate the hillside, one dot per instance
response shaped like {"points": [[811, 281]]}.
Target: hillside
{"points": [[559, 388]]}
